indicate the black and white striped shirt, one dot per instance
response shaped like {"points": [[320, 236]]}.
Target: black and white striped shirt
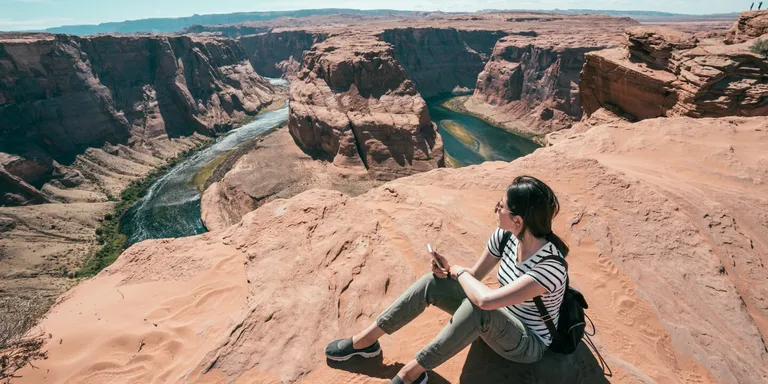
{"points": [[550, 274]]}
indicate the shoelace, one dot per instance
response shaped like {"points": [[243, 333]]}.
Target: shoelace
{"points": [[591, 344]]}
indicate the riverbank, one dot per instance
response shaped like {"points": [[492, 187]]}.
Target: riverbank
{"points": [[112, 242], [470, 140], [458, 105], [255, 174]]}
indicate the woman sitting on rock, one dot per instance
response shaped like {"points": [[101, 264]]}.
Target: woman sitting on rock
{"points": [[505, 317]]}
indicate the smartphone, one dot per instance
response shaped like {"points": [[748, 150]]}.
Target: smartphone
{"points": [[431, 252]]}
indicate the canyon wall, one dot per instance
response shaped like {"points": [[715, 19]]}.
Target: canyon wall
{"points": [[439, 60], [663, 72], [278, 54], [60, 95], [353, 104], [534, 81]]}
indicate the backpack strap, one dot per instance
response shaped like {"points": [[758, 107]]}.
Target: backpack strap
{"points": [[545, 316], [504, 240]]}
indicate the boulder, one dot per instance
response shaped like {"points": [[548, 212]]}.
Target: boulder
{"points": [[750, 25]]}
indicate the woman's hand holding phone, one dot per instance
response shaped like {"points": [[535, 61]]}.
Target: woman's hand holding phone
{"points": [[440, 265]]}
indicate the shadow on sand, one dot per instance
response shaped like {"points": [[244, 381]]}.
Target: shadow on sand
{"points": [[375, 367], [484, 366]]}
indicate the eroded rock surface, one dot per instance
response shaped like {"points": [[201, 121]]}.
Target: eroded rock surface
{"points": [[672, 264], [534, 82], [750, 25], [259, 176], [278, 54], [353, 104], [664, 73]]}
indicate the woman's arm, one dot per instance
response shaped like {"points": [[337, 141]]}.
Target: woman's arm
{"points": [[520, 290], [484, 265]]}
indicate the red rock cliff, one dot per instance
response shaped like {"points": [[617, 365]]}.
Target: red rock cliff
{"points": [[441, 59], [750, 25], [279, 54], [663, 72], [535, 80], [60, 95], [353, 104]]}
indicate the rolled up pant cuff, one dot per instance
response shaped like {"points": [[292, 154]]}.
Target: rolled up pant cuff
{"points": [[383, 325]]}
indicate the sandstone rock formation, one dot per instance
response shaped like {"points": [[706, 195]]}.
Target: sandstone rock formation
{"points": [[750, 25], [278, 54], [353, 104], [441, 59], [533, 82], [672, 264], [257, 175], [443, 53], [663, 73], [60, 95]]}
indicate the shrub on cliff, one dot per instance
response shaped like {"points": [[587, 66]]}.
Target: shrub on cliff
{"points": [[760, 47], [19, 346]]}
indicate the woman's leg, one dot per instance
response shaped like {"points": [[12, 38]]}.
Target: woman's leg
{"points": [[445, 294], [503, 332]]}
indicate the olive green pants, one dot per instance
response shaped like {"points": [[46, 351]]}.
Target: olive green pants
{"points": [[500, 329]]}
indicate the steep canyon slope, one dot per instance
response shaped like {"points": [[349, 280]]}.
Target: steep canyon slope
{"points": [[523, 66], [61, 95], [354, 105], [82, 118], [665, 217]]}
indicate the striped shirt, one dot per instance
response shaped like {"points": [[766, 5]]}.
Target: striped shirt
{"points": [[550, 274]]}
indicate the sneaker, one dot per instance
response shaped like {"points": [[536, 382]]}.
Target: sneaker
{"points": [[342, 350], [422, 379]]}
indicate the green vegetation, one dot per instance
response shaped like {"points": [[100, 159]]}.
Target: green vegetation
{"points": [[109, 237], [760, 47], [458, 131]]}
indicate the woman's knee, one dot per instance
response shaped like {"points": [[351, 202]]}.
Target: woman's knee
{"points": [[470, 312]]}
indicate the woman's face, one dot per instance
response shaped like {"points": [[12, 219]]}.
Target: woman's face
{"points": [[506, 220]]}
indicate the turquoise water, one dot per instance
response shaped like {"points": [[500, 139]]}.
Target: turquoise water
{"points": [[489, 143], [171, 206]]}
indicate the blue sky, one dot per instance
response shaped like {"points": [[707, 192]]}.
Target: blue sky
{"points": [[37, 14]]}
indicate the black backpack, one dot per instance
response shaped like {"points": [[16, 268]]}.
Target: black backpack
{"points": [[571, 325]]}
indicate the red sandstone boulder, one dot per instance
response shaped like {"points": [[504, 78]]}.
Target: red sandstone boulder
{"points": [[655, 45], [750, 25]]}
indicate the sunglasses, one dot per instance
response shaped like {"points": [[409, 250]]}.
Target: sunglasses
{"points": [[500, 207]]}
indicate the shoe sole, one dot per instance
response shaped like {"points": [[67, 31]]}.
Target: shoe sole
{"points": [[366, 355]]}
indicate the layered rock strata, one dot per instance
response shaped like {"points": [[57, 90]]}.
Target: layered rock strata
{"points": [[353, 104], [672, 264], [533, 83], [438, 60], [662, 72], [278, 54], [60, 95], [750, 25]]}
